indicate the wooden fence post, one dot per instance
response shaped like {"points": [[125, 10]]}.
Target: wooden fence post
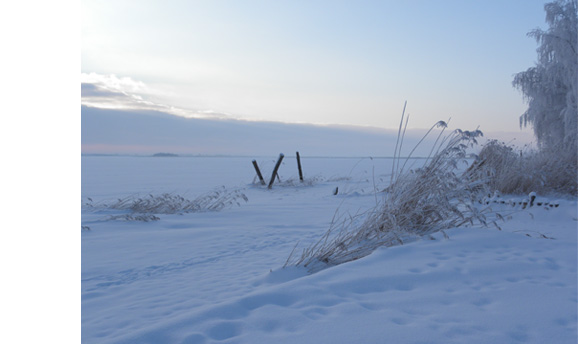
{"points": [[275, 170], [299, 167], [258, 172]]}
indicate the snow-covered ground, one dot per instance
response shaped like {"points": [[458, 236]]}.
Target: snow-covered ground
{"points": [[217, 277]]}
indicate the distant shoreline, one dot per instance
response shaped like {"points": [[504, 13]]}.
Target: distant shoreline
{"points": [[164, 155]]}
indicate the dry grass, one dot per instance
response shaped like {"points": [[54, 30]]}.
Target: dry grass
{"points": [[441, 195], [417, 203], [144, 208]]}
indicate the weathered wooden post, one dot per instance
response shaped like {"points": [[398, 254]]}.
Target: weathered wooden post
{"points": [[258, 172], [275, 170], [299, 167]]}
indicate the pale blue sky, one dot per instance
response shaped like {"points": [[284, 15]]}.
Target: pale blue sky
{"points": [[328, 62]]}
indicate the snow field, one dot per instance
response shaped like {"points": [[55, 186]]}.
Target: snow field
{"points": [[216, 277]]}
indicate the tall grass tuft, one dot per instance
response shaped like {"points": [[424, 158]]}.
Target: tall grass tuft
{"points": [[417, 203]]}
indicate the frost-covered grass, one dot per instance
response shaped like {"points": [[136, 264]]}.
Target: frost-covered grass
{"points": [[144, 208], [418, 202], [513, 171]]}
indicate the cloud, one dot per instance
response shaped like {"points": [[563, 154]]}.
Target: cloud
{"points": [[123, 93], [113, 83], [148, 132], [91, 90]]}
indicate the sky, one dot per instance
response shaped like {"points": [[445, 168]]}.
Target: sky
{"points": [[319, 62]]}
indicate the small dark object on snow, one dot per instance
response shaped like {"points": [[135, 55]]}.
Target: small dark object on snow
{"points": [[532, 198]]}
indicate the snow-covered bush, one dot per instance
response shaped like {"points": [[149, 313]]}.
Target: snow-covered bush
{"points": [[509, 171], [416, 203], [551, 87]]}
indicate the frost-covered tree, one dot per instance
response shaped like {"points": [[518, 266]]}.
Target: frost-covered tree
{"points": [[551, 87]]}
